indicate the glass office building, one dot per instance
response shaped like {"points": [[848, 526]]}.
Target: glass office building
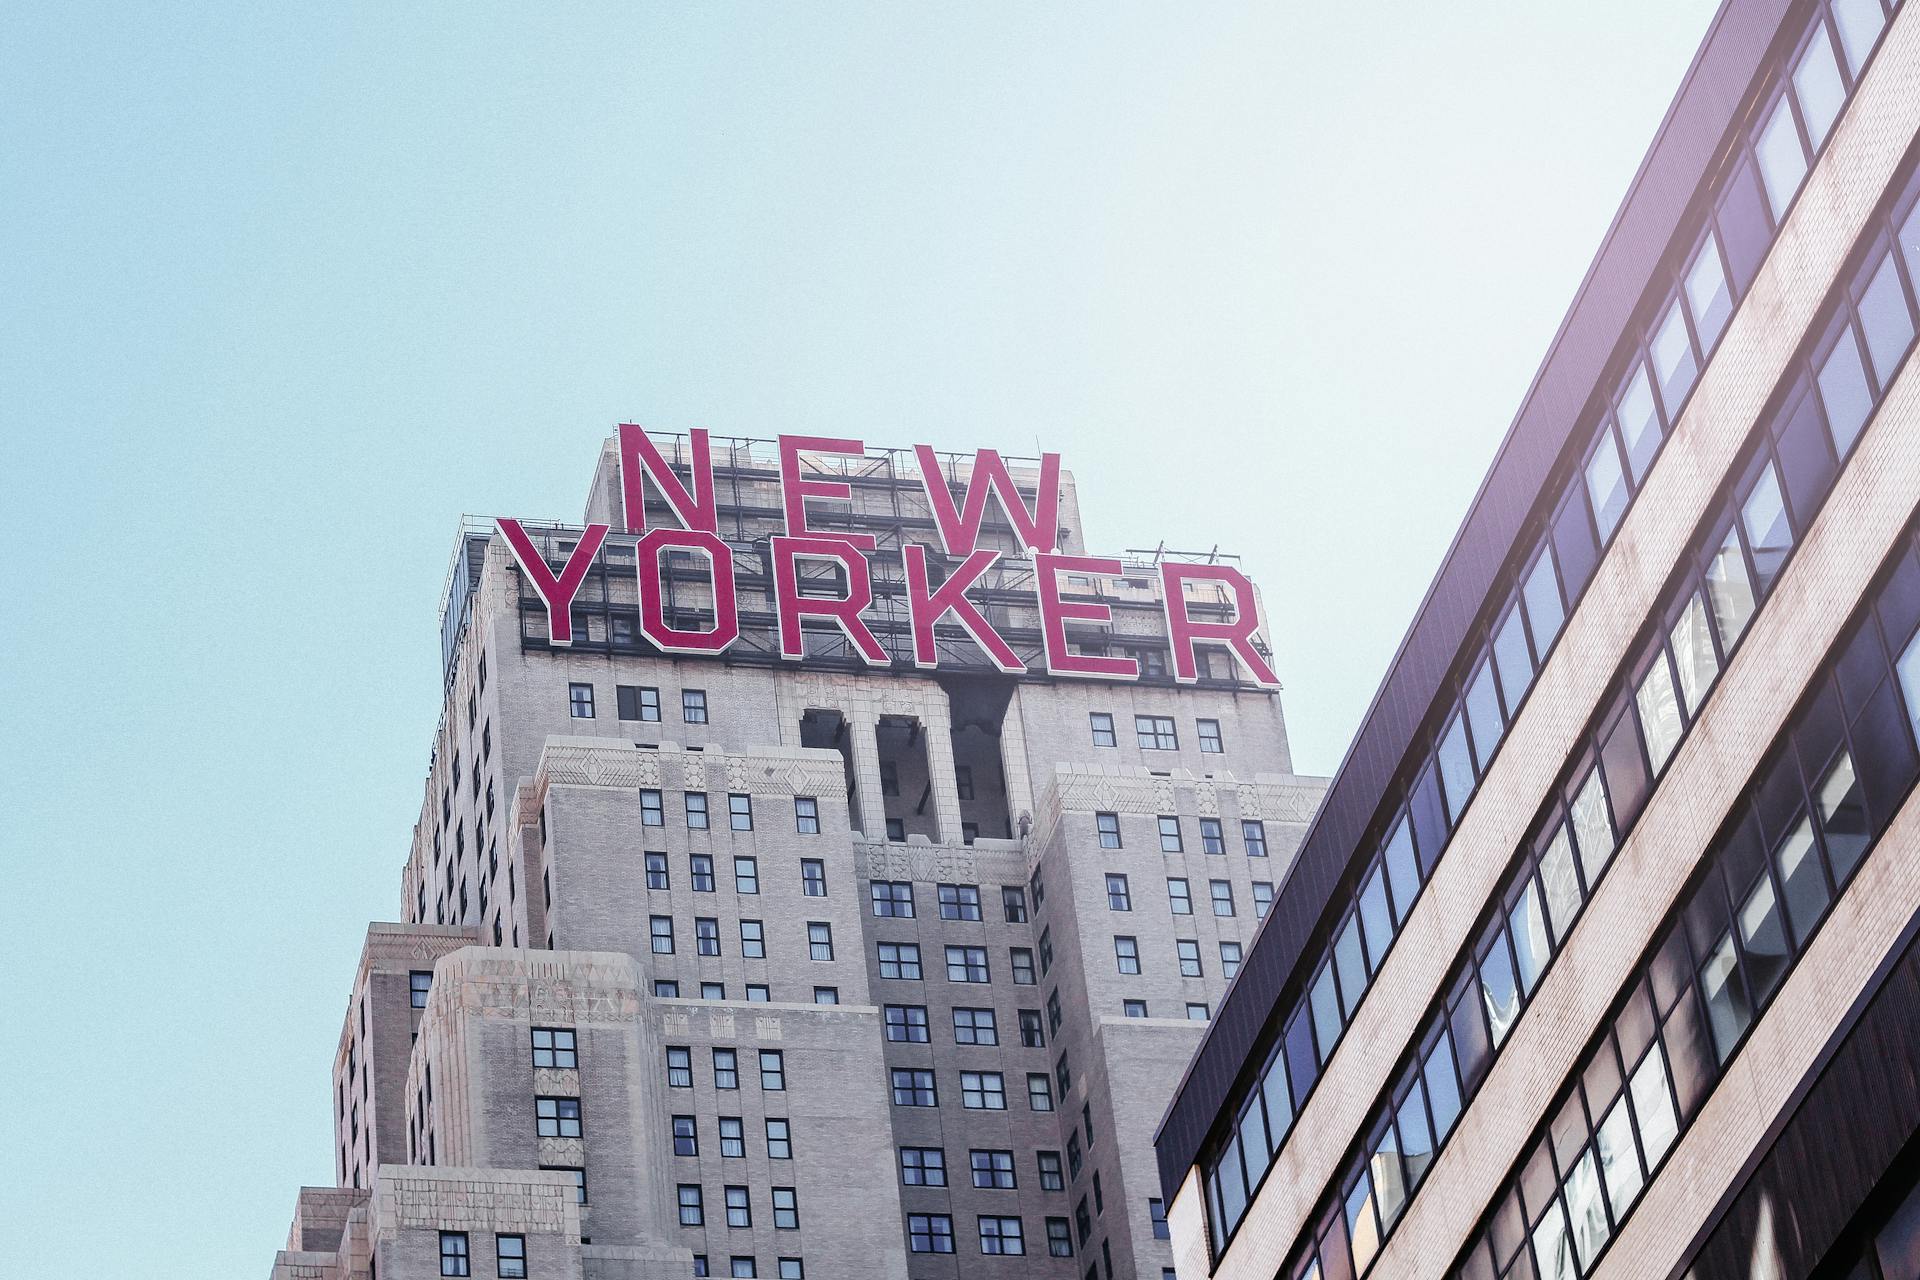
{"points": [[1598, 959]]}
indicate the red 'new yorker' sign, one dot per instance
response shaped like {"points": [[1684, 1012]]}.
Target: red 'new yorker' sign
{"points": [[696, 508]]}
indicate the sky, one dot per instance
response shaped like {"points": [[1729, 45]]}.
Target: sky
{"points": [[285, 290]]}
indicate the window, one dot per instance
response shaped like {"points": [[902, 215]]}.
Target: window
{"points": [[1157, 1214], [906, 1023], [693, 706], [1155, 733], [779, 1138], [692, 1212], [1196, 1011], [983, 1091], [959, 901], [1179, 898], [753, 939], [929, 1233], [740, 812], [1126, 954], [1262, 898], [892, 898], [826, 995], [657, 871], [967, 964], [1133, 1008], [509, 1256], [992, 1170], [913, 1087], [1118, 896], [819, 940], [975, 1026], [686, 1138], [557, 1117], [1032, 1035], [1210, 743], [661, 927], [1039, 1091], [1189, 952], [773, 1070], [1001, 1236], [713, 991], [580, 705], [679, 1067], [706, 936], [1013, 904], [963, 781], [1108, 825], [1049, 1165], [1102, 724], [666, 988], [1606, 485], [786, 1209], [791, 1269], [1229, 960], [813, 878], [1782, 157], [1211, 838], [696, 807], [1222, 893], [702, 866], [637, 702], [419, 982], [653, 812], [579, 1179], [1059, 1238], [554, 1047], [1022, 961], [733, 1138], [1255, 835], [900, 960], [897, 830], [746, 875], [726, 1069], [923, 1167], [806, 815], [1169, 833], [454, 1259]]}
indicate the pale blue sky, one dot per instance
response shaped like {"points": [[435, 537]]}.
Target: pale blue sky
{"points": [[286, 293]]}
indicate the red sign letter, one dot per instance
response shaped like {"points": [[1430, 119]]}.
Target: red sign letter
{"points": [[1183, 631], [927, 607], [653, 620], [557, 592], [638, 454], [1039, 529], [794, 491], [845, 610], [1054, 613]]}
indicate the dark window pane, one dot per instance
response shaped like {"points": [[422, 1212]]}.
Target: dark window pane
{"points": [[1625, 771], [1806, 457], [1573, 542], [1429, 823], [1303, 1068], [1884, 754], [1745, 229], [1689, 1061], [1469, 1029]]}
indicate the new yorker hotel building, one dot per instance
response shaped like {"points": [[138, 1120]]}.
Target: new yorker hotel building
{"points": [[1599, 958], [826, 868]]}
